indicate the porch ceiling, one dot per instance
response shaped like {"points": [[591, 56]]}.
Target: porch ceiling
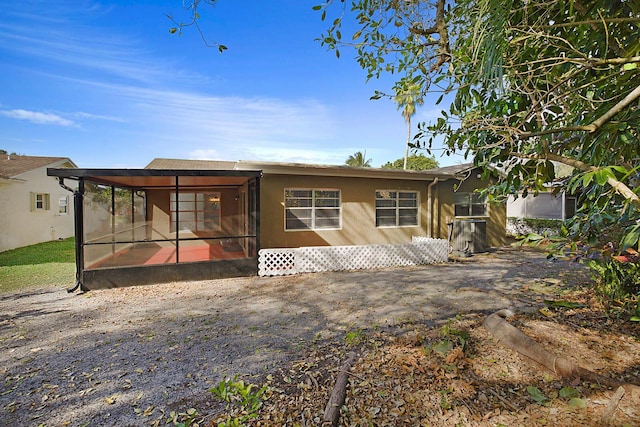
{"points": [[158, 178]]}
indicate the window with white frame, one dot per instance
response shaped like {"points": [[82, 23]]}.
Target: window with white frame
{"points": [[396, 208], [63, 205], [470, 204], [40, 201], [312, 209], [195, 211]]}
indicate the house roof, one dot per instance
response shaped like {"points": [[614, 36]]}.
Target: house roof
{"points": [[455, 169], [11, 166], [161, 163], [311, 169]]}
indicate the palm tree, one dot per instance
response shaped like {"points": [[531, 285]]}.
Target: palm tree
{"points": [[407, 101], [358, 160]]}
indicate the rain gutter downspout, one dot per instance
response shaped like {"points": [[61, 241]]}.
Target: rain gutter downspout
{"points": [[78, 230], [430, 207]]}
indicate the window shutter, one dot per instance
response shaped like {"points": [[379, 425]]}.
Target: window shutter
{"points": [[47, 202], [32, 200]]}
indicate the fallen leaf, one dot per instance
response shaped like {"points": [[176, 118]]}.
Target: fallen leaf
{"points": [[576, 402]]}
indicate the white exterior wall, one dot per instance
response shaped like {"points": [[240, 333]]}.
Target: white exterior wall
{"points": [[22, 226], [544, 205]]}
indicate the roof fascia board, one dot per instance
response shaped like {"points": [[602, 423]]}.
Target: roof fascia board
{"points": [[90, 173], [344, 172], [10, 180]]}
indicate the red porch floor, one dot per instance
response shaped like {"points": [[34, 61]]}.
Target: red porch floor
{"points": [[150, 254]]}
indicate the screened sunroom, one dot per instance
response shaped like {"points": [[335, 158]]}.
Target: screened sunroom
{"points": [[144, 226]]}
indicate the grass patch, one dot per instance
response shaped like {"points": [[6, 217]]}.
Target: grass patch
{"points": [[42, 265], [19, 277], [57, 251]]}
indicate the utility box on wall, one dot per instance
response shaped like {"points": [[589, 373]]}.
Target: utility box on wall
{"points": [[468, 235]]}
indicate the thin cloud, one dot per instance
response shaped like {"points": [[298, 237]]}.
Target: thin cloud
{"points": [[294, 155], [204, 154], [226, 120], [37, 117], [80, 47], [83, 115]]}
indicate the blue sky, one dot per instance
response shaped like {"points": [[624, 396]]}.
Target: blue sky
{"points": [[105, 84]]}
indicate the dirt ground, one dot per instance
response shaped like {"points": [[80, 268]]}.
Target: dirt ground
{"points": [[130, 356]]}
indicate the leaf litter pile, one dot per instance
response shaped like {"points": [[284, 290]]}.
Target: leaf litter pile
{"points": [[457, 374]]}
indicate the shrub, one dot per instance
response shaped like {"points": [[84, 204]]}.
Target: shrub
{"points": [[615, 280], [524, 226]]}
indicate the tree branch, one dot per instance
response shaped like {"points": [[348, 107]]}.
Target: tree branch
{"points": [[439, 27], [586, 22], [635, 94]]}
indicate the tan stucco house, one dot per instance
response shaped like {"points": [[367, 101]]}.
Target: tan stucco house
{"points": [[188, 219], [33, 207]]}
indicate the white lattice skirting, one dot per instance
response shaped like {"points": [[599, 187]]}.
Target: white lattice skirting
{"points": [[282, 262]]}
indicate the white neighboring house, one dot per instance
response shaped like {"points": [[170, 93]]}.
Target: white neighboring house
{"points": [[33, 206], [545, 205]]}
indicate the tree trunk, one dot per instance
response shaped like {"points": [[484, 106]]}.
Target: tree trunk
{"points": [[406, 148]]}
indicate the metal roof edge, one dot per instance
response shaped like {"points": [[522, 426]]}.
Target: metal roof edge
{"points": [[339, 171], [87, 173]]}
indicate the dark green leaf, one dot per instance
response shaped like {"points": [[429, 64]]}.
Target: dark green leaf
{"points": [[536, 394], [568, 393]]}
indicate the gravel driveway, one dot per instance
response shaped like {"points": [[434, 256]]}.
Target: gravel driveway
{"points": [[128, 356]]}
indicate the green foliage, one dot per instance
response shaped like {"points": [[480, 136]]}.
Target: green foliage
{"points": [[414, 162], [573, 396], [358, 160], [451, 338], [56, 251], [183, 419], [245, 397], [537, 395], [568, 393], [354, 338], [615, 280]]}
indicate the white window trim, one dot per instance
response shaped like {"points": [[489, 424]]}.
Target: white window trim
{"points": [[65, 204], [313, 209], [398, 208]]}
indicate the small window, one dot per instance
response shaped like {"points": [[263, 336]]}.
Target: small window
{"points": [[63, 205], [40, 202], [396, 208], [309, 209], [470, 204]]}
